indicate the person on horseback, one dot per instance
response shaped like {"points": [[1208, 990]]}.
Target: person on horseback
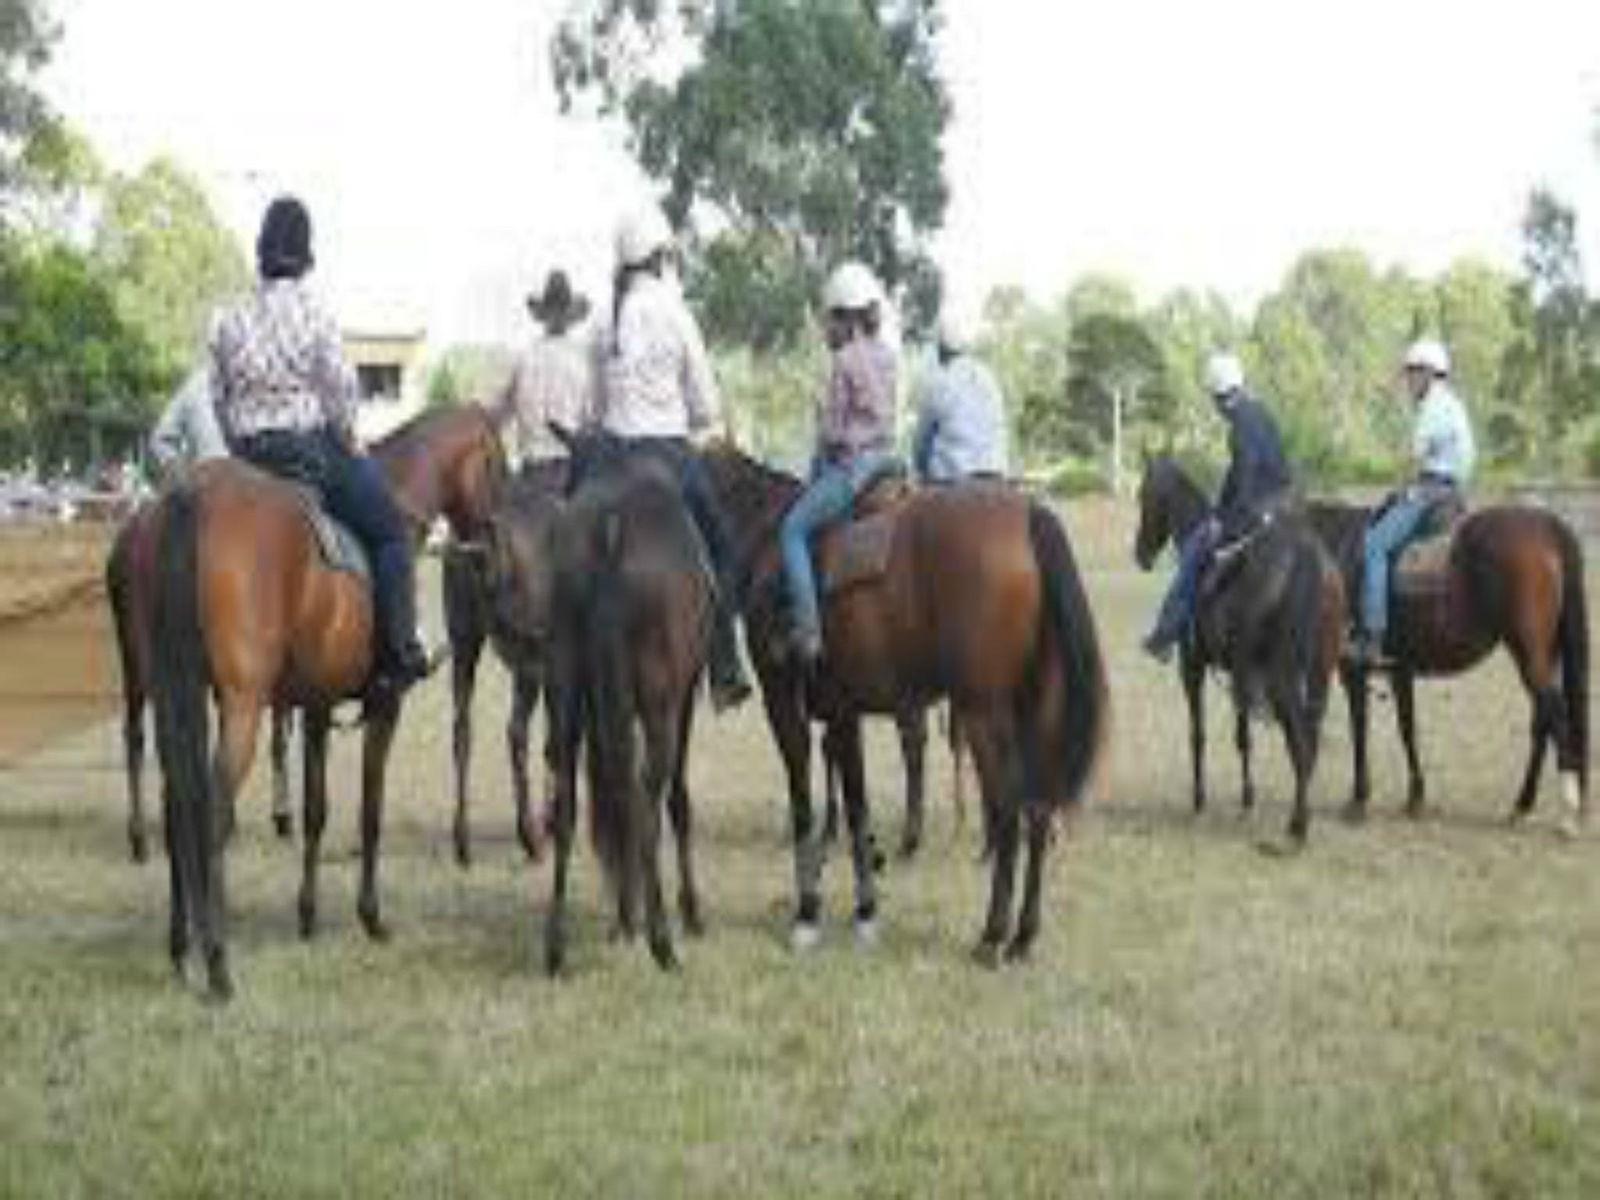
{"points": [[188, 430], [1444, 450], [554, 380], [961, 418], [1258, 472], [657, 391], [286, 400], [855, 438]]}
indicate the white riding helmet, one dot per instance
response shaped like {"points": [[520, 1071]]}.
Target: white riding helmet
{"points": [[640, 234], [1429, 355], [958, 327], [852, 287], [1224, 374]]}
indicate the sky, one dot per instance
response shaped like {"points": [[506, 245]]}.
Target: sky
{"points": [[1170, 141]]}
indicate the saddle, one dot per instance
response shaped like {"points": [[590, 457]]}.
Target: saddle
{"points": [[857, 551], [340, 548], [1421, 569]]}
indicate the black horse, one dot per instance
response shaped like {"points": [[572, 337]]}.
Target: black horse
{"points": [[1273, 620]]}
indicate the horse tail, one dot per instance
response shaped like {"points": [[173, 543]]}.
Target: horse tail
{"points": [[1572, 636], [119, 594], [1301, 603], [1086, 701], [609, 668], [180, 684]]}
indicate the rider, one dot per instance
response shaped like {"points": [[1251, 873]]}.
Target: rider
{"points": [[855, 437], [1443, 447], [286, 399], [658, 390], [1257, 472], [554, 380], [961, 422], [187, 430]]}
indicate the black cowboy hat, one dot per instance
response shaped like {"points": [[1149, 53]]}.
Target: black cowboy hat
{"points": [[559, 305]]}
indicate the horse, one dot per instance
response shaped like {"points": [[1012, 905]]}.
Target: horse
{"points": [[633, 604], [1274, 623], [1514, 577], [248, 613], [979, 600], [130, 581], [499, 593]]}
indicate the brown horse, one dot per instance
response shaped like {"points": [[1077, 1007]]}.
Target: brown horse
{"points": [[130, 583], [1514, 578], [499, 593], [979, 601], [248, 613], [632, 613], [1276, 627]]}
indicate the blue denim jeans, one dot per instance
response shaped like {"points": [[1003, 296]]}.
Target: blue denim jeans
{"points": [[828, 499], [1177, 607], [1383, 540]]}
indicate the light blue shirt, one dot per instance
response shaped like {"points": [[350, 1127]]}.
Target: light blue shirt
{"points": [[1443, 443], [188, 428], [961, 423]]}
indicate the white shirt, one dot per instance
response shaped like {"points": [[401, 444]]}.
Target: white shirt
{"points": [[1443, 442], [554, 382], [656, 376], [188, 426]]}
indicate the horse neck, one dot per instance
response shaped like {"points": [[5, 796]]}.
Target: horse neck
{"points": [[1186, 506], [424, 468], [754, 500]]}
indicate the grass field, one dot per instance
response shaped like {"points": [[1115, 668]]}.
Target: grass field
{"points": [[1407, 1009]]}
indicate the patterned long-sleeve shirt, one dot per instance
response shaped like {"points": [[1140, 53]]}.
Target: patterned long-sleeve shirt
{"points": [[857, 412], [656, 375], [553, 383], [277, 364], [961, 423]]}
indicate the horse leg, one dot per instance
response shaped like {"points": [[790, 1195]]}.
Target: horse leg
{"points": [[682, 828], [524, 698], [1194, 690], [133, 754], [1537, 668], [791, 730], [913, 726], [663, 729], [1354, 681], [466, 648], [1538, 741], [830, 790], [1290, 709], [1038, 814], [282, 820], [1241, 739], [383, 713], [993, 749], [239, 721], [185, 894], [958, 767], [314, 809], [1405, 711], [561, 763], [863, 854]]}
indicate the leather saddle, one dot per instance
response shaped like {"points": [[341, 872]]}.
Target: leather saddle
{"points": [[1422, 568], [340, 548], [857, 551]]}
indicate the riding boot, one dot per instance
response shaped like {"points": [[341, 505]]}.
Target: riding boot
{"points": [[402, 659], [729, 685]]}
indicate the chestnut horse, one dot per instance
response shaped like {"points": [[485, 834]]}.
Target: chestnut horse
{"points": [[1276, 627], [979, 601], [247, 613], [1514, 578]]}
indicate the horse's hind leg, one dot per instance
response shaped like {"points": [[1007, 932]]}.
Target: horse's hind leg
{"points": [[1241, 740], [1038, 815], [1405, 711], [993, 752], [282, 819], [133, 754], [524, 698], [863, 854], [1194, 680], [663, 730], [466, 646], [239, 721], [682, 829], [913, 726], [1354, 681], [1290, 709], [383, 713], [1537, 669], [314, 802]]}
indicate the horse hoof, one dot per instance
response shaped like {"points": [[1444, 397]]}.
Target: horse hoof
{"points": [[139, 849], [909, 845], [463, 854], [987, 954], [308, 923], [375, 927], [1516, 818], [1289, 848], [1020, 949], [1353, 813], [867, 933], [283, 825], [555, 961], [666, 957], [1416, 810], [693, 924], [805, 936]]}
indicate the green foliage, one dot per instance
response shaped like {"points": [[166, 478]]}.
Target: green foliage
{"points": [[771, 399], [168, 257], [467, 372], [26, 36], [799, 135]]}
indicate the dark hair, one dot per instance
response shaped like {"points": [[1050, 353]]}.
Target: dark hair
{"points": [[283, 248]]}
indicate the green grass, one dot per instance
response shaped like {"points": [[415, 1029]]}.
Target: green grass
{"points": [[1406, 1009]]}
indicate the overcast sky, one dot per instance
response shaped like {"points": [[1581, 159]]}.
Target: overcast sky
{"points": [[1172, 141]]}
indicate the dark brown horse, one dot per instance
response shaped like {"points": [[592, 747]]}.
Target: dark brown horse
{"points": [[979, 601], [499, 593], [1276, 627], [247, 613], [1514, 578], [633, 604], [130, 584]]}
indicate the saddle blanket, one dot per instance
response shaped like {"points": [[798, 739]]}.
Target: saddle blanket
{"points": [[857, 553], [1423, 567], [341, 549]]}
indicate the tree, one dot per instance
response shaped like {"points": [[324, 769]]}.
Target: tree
{"points": [[797, 136], [169, 258], [25, 40], [1189, 326]]}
